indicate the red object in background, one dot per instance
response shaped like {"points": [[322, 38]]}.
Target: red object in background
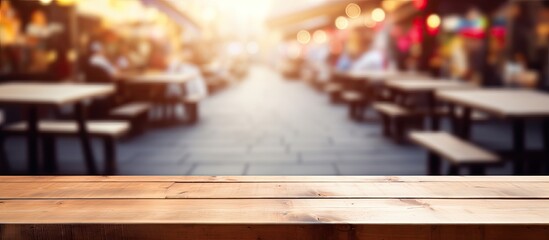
{"points": [[415, 30], [404, 43], [474, 33], [420, 4]]}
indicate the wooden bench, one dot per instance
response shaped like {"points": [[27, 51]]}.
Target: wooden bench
{"points": [[108, 131], [136, 113], [458, 152], [393, 118], [190, 103], [356, 101], [274, 207], [334, 91]]}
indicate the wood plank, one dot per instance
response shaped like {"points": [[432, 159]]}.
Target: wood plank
{"points": [[160, 190], [431, 190], [426, 85], [99, 128], [273, 232], [501, 102], [198, 179], [33, 190], [51, 93], [453, 148], [276, 211]]}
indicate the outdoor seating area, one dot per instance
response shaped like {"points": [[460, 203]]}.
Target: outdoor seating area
{"points": [[248, 119]]}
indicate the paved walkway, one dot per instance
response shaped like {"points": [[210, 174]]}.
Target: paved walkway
{"points": [[263, 126]]}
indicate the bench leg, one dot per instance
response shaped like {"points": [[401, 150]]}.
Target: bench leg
{"points": [[32, 139], [4, 164], [453, 170], [546, 143], [386, 121], [399, 129], [477, 170], [85, 138], [518, 147], [352, 110], [191, 109], [110, 155], [49, 152], [433, 164]]}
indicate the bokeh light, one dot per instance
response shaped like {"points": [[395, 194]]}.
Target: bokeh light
{"points": [[353, 10], [368, 22], [341, 22], [320, 36], [45, 2], [378, 15], [433, 21], [303, 37]]}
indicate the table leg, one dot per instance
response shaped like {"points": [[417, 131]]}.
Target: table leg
{"points": [[545, 133], [32, 139], [518, 146], [49, 154], [454, 120], [465, 124], [432, 111], [85, 138]]}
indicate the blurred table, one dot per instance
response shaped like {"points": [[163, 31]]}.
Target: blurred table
{"points": [[514, 104], [155, 77], [274, 207], [162, 89], [34, 95], [402, 89]]}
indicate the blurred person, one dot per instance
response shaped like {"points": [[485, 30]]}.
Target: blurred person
{"points": [[182, 64], [38, 32], [99, 61], [10, 24], [371, 59], [195, 87], [10, 35]]}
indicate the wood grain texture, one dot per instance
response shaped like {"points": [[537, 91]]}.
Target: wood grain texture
{"points": [[51, 93], [271, 207], [501, 102], [275, 179], [282, 190], [276, 211]]}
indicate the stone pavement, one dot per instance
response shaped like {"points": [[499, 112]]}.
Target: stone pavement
{"points": [[265, 125]]}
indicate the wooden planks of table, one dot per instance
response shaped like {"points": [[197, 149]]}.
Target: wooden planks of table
{"points": [[270, 207]]}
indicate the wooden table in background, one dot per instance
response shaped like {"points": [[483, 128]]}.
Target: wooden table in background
{"points": [[513, 104], [34, 95], [429, 87], [274, 207]]}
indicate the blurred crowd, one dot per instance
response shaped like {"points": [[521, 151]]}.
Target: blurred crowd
{"points": [[506, 47]]}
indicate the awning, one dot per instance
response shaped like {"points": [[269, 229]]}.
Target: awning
{"points": [[173, 13]]}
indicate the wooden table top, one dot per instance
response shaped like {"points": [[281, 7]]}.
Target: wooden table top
{"points": [[501, 102], [376, 76], [427, 85], [275, 200], [51, 93], [158, 77]]}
